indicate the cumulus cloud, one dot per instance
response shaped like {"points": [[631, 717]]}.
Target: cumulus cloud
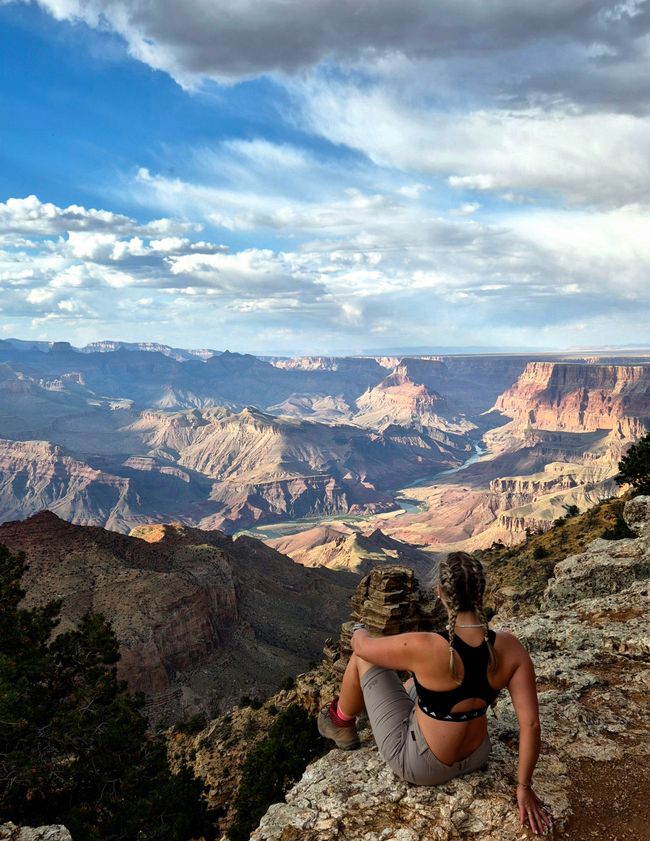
{"points": [[33, 217], [419, 272]]}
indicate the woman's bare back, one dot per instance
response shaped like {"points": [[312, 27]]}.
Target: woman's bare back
{"points": [[453, 741]]}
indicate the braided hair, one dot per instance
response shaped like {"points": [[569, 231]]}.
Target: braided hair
{"points": [[462, 580]]}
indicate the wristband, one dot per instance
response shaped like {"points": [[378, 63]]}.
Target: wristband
{"points": [[358, 626], [524, 785]]}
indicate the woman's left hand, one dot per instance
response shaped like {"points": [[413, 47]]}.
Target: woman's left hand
{"points": [[532, 808]]}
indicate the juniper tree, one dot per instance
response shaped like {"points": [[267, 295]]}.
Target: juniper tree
{"points": [[634, 467]]}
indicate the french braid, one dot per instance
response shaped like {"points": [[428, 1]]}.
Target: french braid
{"points": [[448, 586], [462, 580]]}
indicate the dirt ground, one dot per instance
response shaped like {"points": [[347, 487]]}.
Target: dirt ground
{"points": [[610, 801]]}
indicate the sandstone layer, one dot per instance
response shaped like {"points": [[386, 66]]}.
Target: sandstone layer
{"points": [[576, 397]]}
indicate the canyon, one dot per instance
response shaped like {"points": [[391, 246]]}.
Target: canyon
{"points": [[201, 619], [434, 451]]}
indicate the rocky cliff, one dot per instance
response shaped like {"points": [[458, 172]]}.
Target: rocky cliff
{"points": [[591, 646], [576, 397], [401, 400], [264, 468], [201, 619]]}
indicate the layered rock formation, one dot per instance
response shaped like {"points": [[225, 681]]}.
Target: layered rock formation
{"points": [[232, 441], [201, 619], [571, 424], [402, 401], [342, 547], [591, 648], [576, 397]]}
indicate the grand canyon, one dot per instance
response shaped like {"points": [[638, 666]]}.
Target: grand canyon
{"points": [[219, 508], [432, 450]]}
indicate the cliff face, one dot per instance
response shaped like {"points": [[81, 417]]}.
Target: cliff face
{"points": [[266, 468], [201, 619], [403, 401], [36, 475], [578, 398], [591, 648]]}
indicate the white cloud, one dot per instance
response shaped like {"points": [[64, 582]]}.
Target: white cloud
{"points": [[39, 296], [598, 158], [33, 217], [465, 209]]}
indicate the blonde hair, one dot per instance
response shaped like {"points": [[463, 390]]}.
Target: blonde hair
{"points": [[462, 580]]}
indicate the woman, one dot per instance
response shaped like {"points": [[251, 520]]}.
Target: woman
{"points": [[433, 727]]}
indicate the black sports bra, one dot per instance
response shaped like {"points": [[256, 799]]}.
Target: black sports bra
{"points": [[474, 684]]}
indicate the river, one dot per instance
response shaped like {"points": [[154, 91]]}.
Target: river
{"points": [[407, 506]]}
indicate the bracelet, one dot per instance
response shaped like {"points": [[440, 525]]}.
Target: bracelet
{"points": [[524, 785], [359, 626]]}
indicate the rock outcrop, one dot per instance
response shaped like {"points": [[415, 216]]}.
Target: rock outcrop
{"points": [[577, 397], [201, 618], [591, 648], [11, 832], [339, 546]]}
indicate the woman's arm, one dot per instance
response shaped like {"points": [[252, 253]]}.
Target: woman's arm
{"points": [[402, 652], [523, 691]]}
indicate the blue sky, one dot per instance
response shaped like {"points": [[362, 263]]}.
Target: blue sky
{"points": [[282, 177]]}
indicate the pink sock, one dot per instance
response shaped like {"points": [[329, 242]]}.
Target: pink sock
{"points": [[338, 716]]}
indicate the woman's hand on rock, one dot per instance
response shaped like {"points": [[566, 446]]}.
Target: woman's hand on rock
{"points": [[532, 809]]}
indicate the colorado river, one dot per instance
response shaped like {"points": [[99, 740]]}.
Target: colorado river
{"points": [[407, 506]]}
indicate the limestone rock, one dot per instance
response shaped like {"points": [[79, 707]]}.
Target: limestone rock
{"points": [[606, 566], [637, 515], [11, 832], [388, 601], [356, 796]]}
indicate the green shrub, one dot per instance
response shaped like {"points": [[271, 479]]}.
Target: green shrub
{"points": [[75, 747], [634, 467], [619, 530], [192, 725], [273, 765], [540, 552], [288, 683]]}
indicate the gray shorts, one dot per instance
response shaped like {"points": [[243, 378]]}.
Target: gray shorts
{"points": [[391, 710]]}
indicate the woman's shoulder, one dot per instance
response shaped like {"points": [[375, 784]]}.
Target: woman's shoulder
{"points": [[506, 643], [506, 638]]}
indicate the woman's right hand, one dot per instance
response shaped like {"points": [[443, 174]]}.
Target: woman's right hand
{"points": [[532, 809]]}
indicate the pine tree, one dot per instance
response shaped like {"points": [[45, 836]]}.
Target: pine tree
{"points": [[74, 744]]}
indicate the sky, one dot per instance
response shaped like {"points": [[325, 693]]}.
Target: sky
{"points": [[331, 176]]}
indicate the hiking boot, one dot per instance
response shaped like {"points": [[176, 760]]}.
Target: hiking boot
{"points": [[345, 735]]}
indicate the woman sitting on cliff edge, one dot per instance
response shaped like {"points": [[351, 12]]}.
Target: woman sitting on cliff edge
{"points": [[433, 727]]}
